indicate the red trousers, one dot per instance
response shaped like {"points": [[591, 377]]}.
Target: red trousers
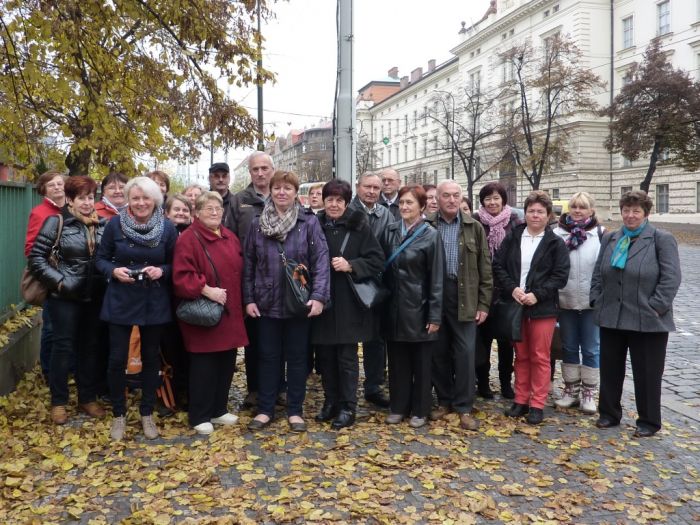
{"points": [[532, 367]]}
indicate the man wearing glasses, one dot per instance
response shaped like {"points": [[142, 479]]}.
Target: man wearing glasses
{"points": [[391, 182]]}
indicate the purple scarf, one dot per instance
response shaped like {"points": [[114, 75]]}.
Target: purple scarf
{"points": [[577, 230], [497, 226]]}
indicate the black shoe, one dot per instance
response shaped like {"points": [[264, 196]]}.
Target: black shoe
{"points": [[517, 410], [535, 416], [644, 432], [507, 391], [606, 422], [485, 391], [378, 399], [256, 424], [328, 412], [346, 418]]}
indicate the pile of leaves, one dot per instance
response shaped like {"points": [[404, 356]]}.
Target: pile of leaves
{"points": [[565, 471], [18, 320]]}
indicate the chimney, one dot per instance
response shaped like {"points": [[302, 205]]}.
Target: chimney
{"points": [[431, 65], [394, 73], [404, 83], [416, 74]]}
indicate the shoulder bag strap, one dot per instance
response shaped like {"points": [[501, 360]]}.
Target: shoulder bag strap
{"points": [[55, 248], [404, 245], [345, 242], [206, 252]]}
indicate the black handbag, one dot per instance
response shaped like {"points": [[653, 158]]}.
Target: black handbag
{"points": [[201, 311], [296, 285], [505, 320], [369, 292]]}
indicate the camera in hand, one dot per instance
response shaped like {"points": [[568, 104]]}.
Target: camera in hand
{"points": [[137, 275]]}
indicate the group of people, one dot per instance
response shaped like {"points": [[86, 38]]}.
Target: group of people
{"points": [[453, 277]]}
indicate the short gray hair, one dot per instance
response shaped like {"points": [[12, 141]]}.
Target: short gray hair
{"points": [[445, 182], [368, 174], [206, 197], [146, 185], [257, 154]]}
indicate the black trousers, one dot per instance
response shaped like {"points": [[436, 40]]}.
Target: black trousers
{"points": [[648, 355], [211, 374], [252, 356], [150, 359], [173, 349], [409, 377], [374, 364], [483, 356], [340, 371]]}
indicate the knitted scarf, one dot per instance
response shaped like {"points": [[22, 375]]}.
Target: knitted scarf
{"points": [[497, 226], [90, 221], [619, 256], [148, 234], [577, 229], [276, 226]]}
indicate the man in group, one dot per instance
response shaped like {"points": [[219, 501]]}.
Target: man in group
{"points": [[368, 189], [466, 300], [219, 181], [389, 198]]}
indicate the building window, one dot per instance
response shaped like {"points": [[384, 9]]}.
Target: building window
{"points": [[396, 152], [663, 15], [405, 123], [415, 118], [475, 81], [545, 14], [626, 78], [425, 115], [388, 157], [555, 8], [697, 191], [555, 194], [405, 152], [627, 32], [662, 198], [625, 189]]}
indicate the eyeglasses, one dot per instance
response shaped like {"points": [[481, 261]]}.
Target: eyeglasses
{"points": [[213, 209]]}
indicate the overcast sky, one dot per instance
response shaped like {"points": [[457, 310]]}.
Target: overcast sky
{"points": [[301, 49]]}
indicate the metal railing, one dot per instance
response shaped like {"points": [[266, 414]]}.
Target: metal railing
{"points": [[16, 201]]}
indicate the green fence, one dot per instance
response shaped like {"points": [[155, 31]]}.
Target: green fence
{"points": [[16, 201]]}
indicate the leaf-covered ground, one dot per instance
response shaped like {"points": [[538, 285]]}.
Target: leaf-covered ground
{"points": [[565, 471]]}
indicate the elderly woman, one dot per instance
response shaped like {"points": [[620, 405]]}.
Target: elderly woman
{"points": [[531, 266], [635, 280], [466, 205], [50, 185], [580, 337], [75, 289], [209, 262], [498, 219], [431, 205], [162, 179], [355, 254], [113, 198], [178, 210], [136, 256], [316, 198], [414, 274], [192, 192], [283, 229]]}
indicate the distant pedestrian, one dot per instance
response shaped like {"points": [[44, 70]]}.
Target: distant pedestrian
{"points": [[635, 280]]}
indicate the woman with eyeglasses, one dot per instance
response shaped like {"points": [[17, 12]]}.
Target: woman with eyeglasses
{"points": [[209, 261]]}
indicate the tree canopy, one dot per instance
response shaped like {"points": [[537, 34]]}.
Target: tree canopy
{"points": [[655, 113], [109, 81]]}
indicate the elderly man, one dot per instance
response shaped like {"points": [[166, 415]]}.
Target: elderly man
{"points": [[466, 300], [389, 198], [368, 189]]}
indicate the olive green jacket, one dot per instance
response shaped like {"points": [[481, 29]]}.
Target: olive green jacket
{"points": [[475, 278]]}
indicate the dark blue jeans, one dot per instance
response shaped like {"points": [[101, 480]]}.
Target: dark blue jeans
{"points": [[119, 336], [74, 343], [280, 341], [46, 340]]}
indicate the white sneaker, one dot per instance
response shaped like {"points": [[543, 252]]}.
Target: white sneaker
{"points": [[226, 419], [205, 428]]}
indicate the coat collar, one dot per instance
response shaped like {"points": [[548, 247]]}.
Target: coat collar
{"points": [[207, 234]]}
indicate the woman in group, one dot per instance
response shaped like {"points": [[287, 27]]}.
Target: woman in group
{"points": [[192, 192], [498, 219], [412, 317], [431, 205], [179, 211], [530, 267], [635, 280], [316, 198], [579, 334], [113, 198], [51, 186], [354, 254], [75, 289], [466, 205], [162, 179], [209, 262], [136, 257], [283, 226]]}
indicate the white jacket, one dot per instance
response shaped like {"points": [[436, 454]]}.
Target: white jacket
{"points": [[576, 294]]}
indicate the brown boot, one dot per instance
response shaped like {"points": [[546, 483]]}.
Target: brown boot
{"points": [[93, 409], [439, 413], [59, 415], [467, 422]]}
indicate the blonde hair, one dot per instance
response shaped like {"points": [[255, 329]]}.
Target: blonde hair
{"points": [[582, 199]]}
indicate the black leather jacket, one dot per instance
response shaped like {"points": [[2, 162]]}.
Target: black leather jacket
{"points": [[75, 278], [415, 280]]}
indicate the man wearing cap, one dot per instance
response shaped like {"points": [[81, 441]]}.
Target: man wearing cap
{"points": [[219, 180]]}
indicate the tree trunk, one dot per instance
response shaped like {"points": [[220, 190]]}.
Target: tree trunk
{"points": [[644, 186], [78, 161]]}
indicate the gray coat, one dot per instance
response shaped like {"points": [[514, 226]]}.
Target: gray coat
{"points": [[640, 297], [379, 218]]}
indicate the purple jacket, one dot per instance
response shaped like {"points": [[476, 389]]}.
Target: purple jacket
{"points": [[263, 272]]}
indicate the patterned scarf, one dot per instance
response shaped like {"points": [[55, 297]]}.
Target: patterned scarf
{"points": [[577, 229], [276, 226], [107, 203], [90, 221], [148, 234], [497, 226], [619, 256]]}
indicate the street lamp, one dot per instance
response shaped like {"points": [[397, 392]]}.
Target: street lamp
{"points": [[452, 133]]}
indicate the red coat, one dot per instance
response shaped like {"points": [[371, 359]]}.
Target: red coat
{"points": [[38, 215], [191, 271], [104, 211]]}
